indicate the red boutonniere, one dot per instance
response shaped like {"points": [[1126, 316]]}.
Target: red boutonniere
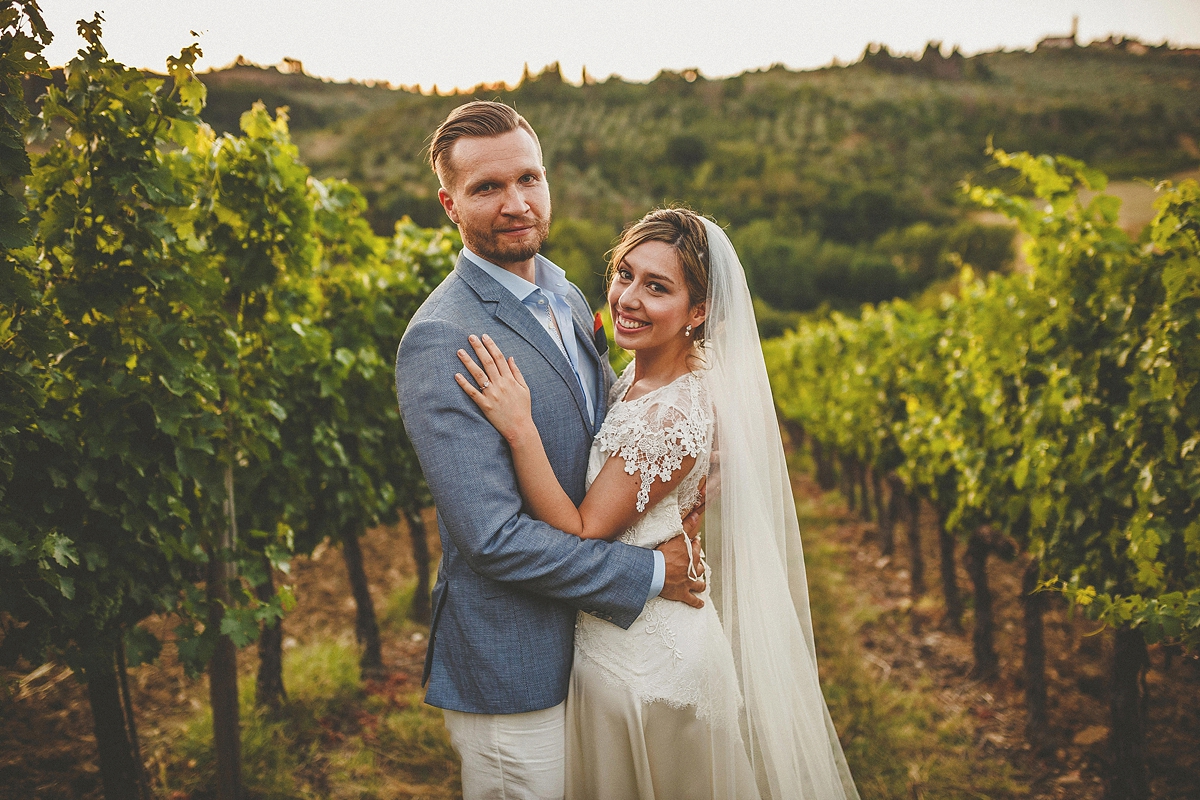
{"points": [[598, 335]]}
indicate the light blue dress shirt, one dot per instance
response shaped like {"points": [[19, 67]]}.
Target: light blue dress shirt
{"points": [[550, 292]]}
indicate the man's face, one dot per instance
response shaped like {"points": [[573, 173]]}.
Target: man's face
{"points": [[498, 196]]}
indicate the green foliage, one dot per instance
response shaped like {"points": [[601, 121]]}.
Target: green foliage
{"points": [[23, 36], [580, 247], [195, 314], [926, 253], [343, 422], [197, 340], [1060, 407], [773, 322], [106, 477], [252, 226], [800, 273], [28, 330], [781, 270]]}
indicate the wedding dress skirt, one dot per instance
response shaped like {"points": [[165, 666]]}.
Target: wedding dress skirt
{"points": [[652, 711]]}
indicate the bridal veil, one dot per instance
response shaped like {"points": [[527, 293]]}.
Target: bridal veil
{"points": [[758, 585]]}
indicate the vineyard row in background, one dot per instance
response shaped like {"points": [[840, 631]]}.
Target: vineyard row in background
{"points": [[1053, 414], [196, 384]]}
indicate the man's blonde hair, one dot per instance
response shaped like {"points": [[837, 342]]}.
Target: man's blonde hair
{"points": [[479, 119]]}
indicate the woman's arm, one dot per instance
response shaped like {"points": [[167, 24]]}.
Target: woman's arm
{"points": [[610, 506]]}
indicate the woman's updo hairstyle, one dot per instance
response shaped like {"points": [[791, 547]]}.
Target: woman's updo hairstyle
{"points": [[684, 231]]}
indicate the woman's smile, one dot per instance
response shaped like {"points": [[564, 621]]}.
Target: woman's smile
{"points": [[628, 323]]}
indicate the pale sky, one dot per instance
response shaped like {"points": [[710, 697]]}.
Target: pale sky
{"points": [[465, 42]]}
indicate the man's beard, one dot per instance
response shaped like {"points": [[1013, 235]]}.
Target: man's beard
{"points": [[491, 246]]}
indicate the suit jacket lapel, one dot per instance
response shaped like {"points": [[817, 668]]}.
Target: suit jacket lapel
{"points": [[508, 310], [587, 345]]}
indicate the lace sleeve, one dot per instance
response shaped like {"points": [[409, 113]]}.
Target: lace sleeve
{"points": [[655, 433]]}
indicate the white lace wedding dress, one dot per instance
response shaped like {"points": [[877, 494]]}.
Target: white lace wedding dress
{"points": [[645, 703]]}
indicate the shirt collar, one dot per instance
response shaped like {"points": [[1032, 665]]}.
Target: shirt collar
{"points": [[549, 276]]}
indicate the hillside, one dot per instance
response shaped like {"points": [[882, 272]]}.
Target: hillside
{"points": [[312, 103], [840, 184]]}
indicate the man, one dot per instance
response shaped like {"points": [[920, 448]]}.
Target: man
{"points": [[508, 586]]}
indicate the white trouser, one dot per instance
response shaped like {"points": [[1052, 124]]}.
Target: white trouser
{"points": [[510, 756]]}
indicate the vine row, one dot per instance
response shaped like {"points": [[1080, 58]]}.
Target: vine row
{"points": [[1053, 413]]}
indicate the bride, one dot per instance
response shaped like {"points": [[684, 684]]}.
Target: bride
{"points": [[721, 701]]}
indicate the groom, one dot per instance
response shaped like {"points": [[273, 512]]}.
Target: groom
{"points": [[508, 586]]}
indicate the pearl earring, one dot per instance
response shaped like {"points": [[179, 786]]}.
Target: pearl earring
{"points": [[687, 331]]}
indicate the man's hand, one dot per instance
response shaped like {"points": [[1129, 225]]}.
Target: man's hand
{"points": [[678, 586]]}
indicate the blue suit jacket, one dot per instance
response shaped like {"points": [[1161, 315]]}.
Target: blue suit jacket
{"points": [[508, 586]]}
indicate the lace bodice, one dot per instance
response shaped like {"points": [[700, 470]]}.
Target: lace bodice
{"points": [[672, 653], [653, 435]]}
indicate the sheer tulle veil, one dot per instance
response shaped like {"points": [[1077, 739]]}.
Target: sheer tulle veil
{"points": [[758, 582]]}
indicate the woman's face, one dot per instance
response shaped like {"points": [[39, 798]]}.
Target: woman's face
{"points": [[649, 300]]}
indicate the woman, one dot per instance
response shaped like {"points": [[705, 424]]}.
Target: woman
{"points": [[722, 701]]}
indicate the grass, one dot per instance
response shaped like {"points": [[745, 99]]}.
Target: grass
{"points": [[398, 607], [334, 738], [900, 741]]}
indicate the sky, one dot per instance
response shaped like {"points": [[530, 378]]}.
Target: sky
{"points": [[461, 43]]}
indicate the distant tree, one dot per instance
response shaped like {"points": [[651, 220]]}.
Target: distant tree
{"points": [[580, 246], [687, 151], [779, 269]]}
